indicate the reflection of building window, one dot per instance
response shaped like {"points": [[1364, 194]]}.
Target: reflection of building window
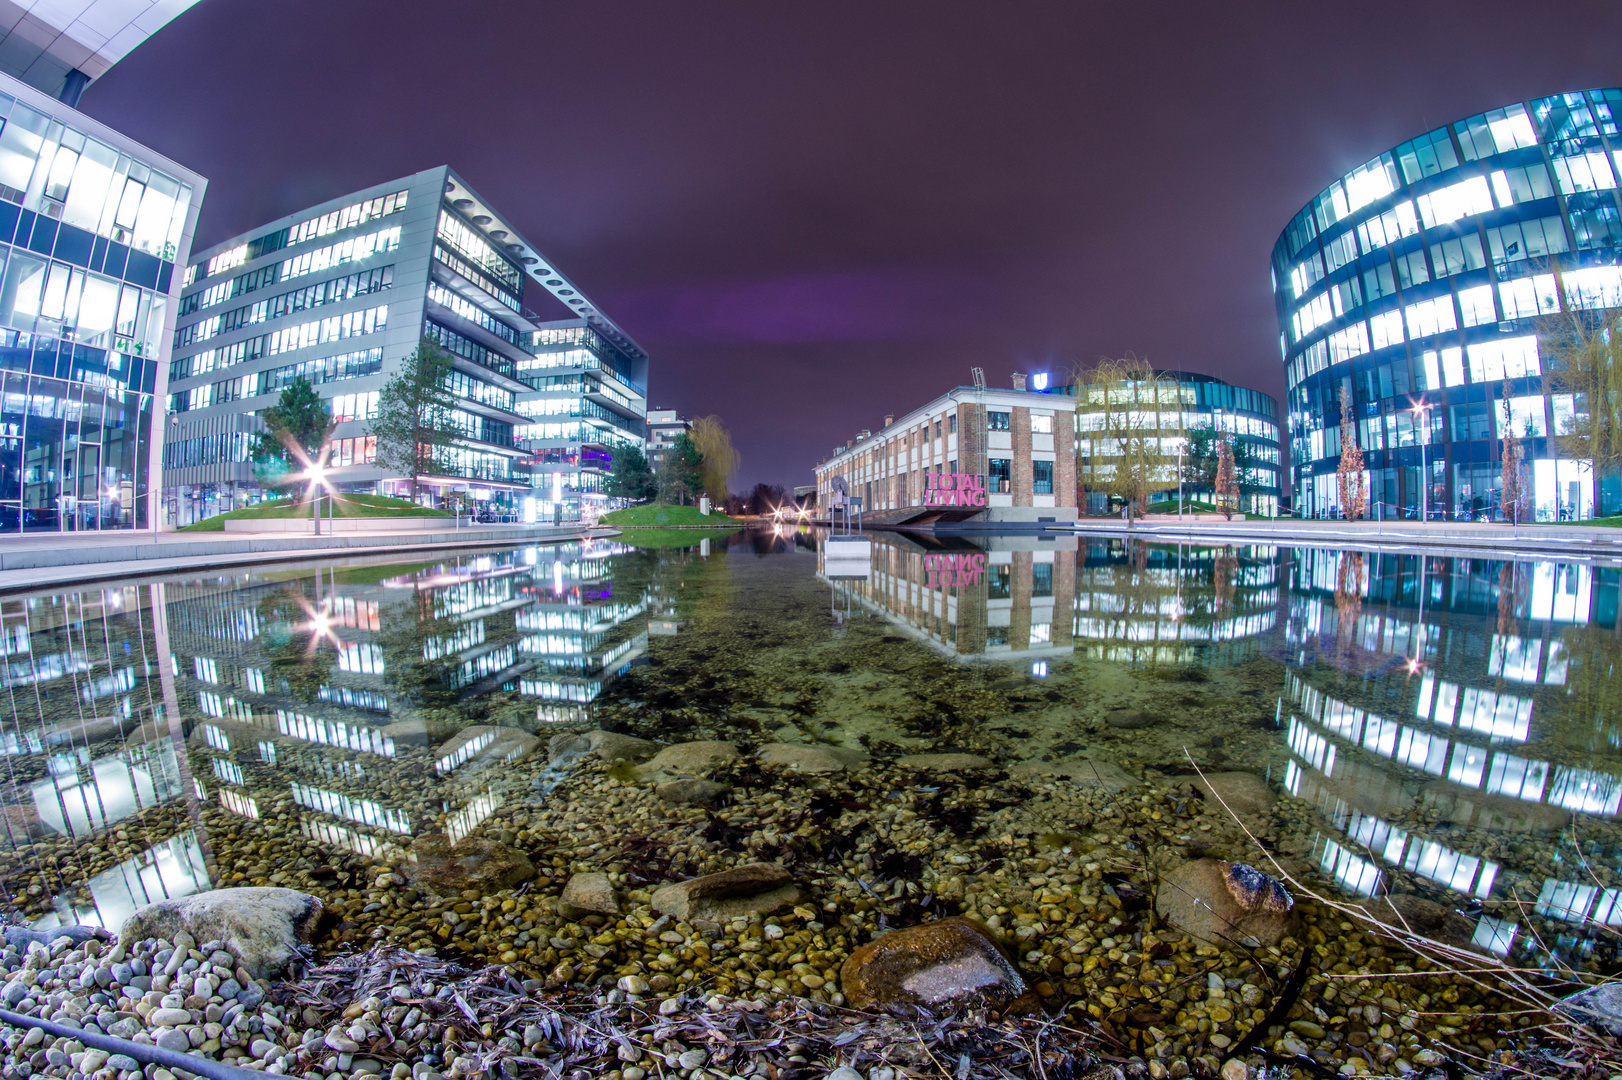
{"points": [[996, 635], [1000, 581], [1042, 477], [1001, 473], [997, 421], [1042, 579]]}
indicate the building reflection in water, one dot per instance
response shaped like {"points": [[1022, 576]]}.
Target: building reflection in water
{"points": [[356, 708]]}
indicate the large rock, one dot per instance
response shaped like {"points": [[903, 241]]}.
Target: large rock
{"points": [[1223, 904], [20, 823], [687, 792], [1599, 1006], [1083, 772], [1406, 913], [263, 927], [812, 757], [421, 732], [687, 760], [943, 762], [947, 964], [1128, 719], [588, 893], [482, 745], [1246, 794], [447, 869], [756, 888], [606, 745]]}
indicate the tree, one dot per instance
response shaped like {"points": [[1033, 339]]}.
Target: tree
{"points": [[1127, 414], [1227, 483], [682, 476], [1354, 498], [631, 478], [1516, 496], [416, 415], [720, 464], [1585, 361], [766, 498], [295, 431], [1200, 458]]}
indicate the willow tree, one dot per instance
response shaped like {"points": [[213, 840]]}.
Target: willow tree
{"points": [[1128, 415], [1585, 361], [720, 464]]}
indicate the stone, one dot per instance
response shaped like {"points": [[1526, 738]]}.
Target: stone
{"points": [[1128, 719], [606, 745], [1235, 1069], [809, 757], [688, 792], [1083, 772], [588, 893], [1598, 1006], [447, 869], [844, 1072], [263, 1048], [756, 888], [421, 732], [1413, 914], [1223, 904], [21, 823], [175, 1040], [343, 1044], [948, 964], [483, 746], [1245, 794], [122, 1062], [943, 762], [262, 927], [633, 984], [688, 759], [168, 1017]]}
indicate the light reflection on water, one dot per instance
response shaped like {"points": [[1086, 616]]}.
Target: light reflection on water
{"points": [[1450, 725]]}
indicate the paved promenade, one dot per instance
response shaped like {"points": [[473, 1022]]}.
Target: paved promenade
{"points": [[1476, 538], [33, 560]]}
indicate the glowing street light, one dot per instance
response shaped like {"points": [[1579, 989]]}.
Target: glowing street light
{"points": [[318, 477]]}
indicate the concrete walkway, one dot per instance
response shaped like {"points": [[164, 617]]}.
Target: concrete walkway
{"points": [[32, 560], [1475, 538]]}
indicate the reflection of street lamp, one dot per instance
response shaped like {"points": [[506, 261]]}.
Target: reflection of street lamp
{"points": [[1422, 413]]}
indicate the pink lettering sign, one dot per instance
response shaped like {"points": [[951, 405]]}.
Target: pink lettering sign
{"points": [[953, 571], [954, 489]]}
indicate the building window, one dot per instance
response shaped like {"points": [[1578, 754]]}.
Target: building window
{"points": [[997, 421], [951, 424], [1000, 475], [1041, 425], [1042, 478]]}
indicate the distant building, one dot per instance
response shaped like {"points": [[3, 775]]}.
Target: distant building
{"points": [[342, 293], [663, 428], [972, 454], [92, 226], [60, 48]]}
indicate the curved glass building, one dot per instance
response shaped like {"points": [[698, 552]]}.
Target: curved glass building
{"points": [[1416, 282]]}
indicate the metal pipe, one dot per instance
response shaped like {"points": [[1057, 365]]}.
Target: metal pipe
{"points": [[147, 1055]]}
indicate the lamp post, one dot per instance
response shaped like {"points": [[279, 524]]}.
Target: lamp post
{"points": [[1422, 413], [317, 475]]}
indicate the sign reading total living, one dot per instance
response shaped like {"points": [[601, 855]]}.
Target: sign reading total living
{"points": [[943, 571], [954, 489]]}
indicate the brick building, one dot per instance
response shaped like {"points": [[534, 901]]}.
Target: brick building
{"points": [[976, 457]]}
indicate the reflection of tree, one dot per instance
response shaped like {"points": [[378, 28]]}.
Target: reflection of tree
{"points": [[295, 657], [419, 652], [1594, 679], [1226, 564], [1351, 581]]}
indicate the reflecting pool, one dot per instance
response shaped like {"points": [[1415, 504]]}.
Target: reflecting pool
{"points": [[1442, 731]]}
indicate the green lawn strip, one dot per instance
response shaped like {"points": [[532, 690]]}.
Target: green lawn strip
{"points": [[656, 516], [670, 538], [348, 506]]}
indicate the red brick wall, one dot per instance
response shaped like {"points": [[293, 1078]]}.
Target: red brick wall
{"points": [[1064, 465], [1020, 428]]}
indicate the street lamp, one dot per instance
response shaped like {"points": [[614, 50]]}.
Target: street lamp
{"points": [[317, 476], [1422, 414]]}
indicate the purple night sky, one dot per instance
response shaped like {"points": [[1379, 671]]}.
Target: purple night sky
{"points": [[814, 214]]}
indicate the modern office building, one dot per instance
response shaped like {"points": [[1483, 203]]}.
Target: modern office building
{"points": [[342, 293], [974, 455], [1416, 282], [60, 49], [663, 428], [1249, 417], [92, 225]]}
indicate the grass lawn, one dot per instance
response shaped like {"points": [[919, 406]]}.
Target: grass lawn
{"points": [[1604, 523], [348, 506], [656, 516]]}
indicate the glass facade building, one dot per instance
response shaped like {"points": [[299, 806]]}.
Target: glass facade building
{"points": [[92, 225], [341, 294], [1416, 283]]}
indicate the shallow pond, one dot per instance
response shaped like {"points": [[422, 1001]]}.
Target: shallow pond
{"points": [[1443, 730]]}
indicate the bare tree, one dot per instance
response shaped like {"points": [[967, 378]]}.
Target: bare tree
{"points": [[1354, 498], [1516, 497]]}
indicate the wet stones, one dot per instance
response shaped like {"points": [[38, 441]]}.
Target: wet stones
{"points": [[1083, 772], [688, 792], [606, 745], [947, 964], [262, 926], [1412, 914], [686, 760], [943, 762], [1223, 903], [1598, 1006], [588, 893], [815, 758], [754, 888], [484, 866], [421, 732], [1245, 794], [481, 746]]}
